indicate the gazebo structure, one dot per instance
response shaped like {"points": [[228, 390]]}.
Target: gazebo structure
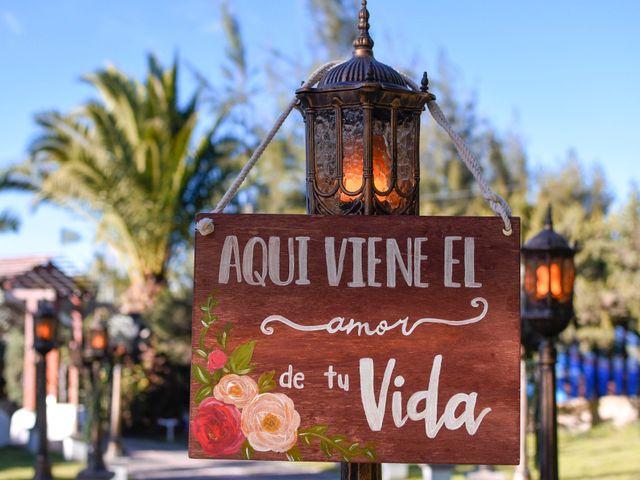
{"points": [[25, 282]]}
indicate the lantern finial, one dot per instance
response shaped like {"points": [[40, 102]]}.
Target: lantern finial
{"points": [[548, 219], [363, 44]]}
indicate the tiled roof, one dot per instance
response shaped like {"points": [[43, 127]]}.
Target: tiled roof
{"points": [[36, 272]]}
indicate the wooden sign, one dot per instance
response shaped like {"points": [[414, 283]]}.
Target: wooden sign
{"points": [[353, 338]]}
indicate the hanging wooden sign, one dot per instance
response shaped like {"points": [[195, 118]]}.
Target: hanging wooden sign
{"points": [[353, 338]]}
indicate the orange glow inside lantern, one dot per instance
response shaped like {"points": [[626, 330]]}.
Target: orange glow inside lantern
{"points": [[98, 341], [555, 278], [44, 331], [353, 172]]}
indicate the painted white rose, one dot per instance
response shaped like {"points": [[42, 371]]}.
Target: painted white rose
{"points": [[236, 390], [270, 423]]}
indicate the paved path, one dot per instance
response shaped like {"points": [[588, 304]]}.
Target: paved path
{"points": [[160, 461]]}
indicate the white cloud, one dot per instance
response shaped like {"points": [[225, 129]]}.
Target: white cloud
{"points": [[12, 23]]}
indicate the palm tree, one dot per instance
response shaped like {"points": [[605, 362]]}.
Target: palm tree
{"points": [[8, 221], [135, 163]]}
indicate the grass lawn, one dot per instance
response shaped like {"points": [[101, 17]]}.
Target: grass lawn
{"points": [[17, 464], [604, 453]]}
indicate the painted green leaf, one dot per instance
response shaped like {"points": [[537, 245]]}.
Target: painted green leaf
{"points": [[223, 336], [370, 451], [326, 448], [204, 392], [335, 444], [200, 374], [217, 375], [240, 360], [293, 455], [201, 353], [247, 450], [338, 438], [266, 383]]}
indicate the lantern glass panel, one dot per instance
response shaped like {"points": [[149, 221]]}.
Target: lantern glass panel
{"points": [[326, 168], [406, 150], [530, 277], [382, 152], [568, 278], [352, 152]]}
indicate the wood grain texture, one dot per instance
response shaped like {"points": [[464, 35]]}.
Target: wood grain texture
{"points": [[481, 357]]}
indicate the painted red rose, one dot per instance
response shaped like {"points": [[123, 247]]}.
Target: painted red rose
{"points": [[217, 359], [216, 426]]}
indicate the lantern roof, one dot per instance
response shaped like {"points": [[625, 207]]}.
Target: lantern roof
{"points": [[363, 67], [548, 239]]}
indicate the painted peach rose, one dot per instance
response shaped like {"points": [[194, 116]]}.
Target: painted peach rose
{"points": [[236, 390], [270, 423]]}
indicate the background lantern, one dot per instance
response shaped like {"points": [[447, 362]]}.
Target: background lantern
{"points": [[45, 329], [362, 135], [97, 342], [549, 274]]}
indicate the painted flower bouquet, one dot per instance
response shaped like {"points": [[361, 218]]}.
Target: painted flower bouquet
{"points": [[237, 414]]}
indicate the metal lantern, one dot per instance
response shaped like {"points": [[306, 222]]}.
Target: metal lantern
{"points": [[549, 274], [45, 327], [362, 135], [97, 342]]}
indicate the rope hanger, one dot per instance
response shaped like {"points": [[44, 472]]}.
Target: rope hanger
{"points": [[498, 204]]}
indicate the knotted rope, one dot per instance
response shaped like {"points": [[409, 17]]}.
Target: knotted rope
{"points": [[498, 204], [315, 77]]}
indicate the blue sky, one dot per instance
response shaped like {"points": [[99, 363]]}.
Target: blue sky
{"points": [[564, 74]]}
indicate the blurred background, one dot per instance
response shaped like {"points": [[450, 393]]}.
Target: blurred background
{"points": [[121, 120]]}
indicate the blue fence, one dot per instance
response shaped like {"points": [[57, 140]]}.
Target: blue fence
{"points": [[593, 373]]}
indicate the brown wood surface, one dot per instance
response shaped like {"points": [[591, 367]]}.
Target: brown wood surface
{"points": [[482, 357]]}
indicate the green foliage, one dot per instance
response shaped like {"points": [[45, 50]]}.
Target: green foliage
{"points": [[170, 319], [156, 389], [13, 369], [447, 187], [134, 163], [334, 27], [8, 221]]}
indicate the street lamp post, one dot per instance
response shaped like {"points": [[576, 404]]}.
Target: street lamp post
{"points": [[548, 307], [95, 352], [124, 332], [362, 147], [45, 328]]}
